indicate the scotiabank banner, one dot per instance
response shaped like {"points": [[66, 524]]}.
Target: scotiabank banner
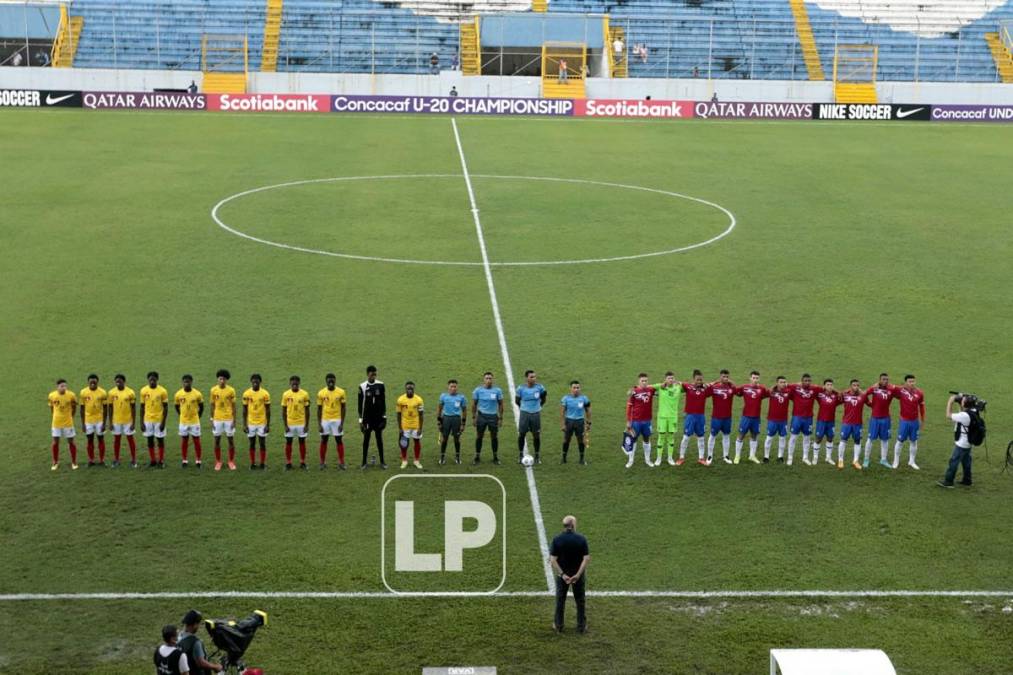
{"points": [[633, 107], [872, 111], [972, 113], [453, 105], [755, 111], [146, 100], [313, 103], [36, 98]]}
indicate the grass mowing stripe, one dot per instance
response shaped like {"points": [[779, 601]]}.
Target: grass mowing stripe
{"points": [[532, 488]]}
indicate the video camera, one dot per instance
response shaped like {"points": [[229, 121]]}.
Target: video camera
{"points": [[970, 400]]}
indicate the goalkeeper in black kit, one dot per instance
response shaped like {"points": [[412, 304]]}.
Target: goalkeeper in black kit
{"points": [[372, 414]]}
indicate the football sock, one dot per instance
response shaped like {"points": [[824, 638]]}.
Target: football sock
{"points": [[161, 454], [404, 454], [857, 451], [56, 451], [323, 451], [520, 444], [288, 452], [912, 451], [840, 451], [753, 445], [478, 445], [253, 455], [791, 448], [710, 446], [726, 443], [302, 450], [101, 449], [232, 455], [884, 448], [133, 448], [661, 446], [780, 445], [766, 447], [647, 452], [73, 451], [198, 451], [151, 453], [91, 449], [738, 448], [418, 449], [896, 452], [341, 452], [682, 446], [116, 447], [868, 451], [699, 446], [263, 455], [218, 455], [806, 442], [495, 444], [184, 447], [538, 443], [670, 444]]}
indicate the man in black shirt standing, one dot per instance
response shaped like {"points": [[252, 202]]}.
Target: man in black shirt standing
{"points": [[372, 413], [569, 556]]}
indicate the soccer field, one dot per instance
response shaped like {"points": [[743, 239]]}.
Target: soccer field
{"points": [[838, 249]]}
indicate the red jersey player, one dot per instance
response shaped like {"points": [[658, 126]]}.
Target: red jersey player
{"points": [[752, 399], [803, 397], [912, 413], [639, 411], [855, 402], [777, 418], [722, 395], [880, 396], [827, 401], [696, 407]]}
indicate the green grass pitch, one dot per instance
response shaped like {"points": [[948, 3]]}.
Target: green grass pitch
{"points": [[858, 248]]}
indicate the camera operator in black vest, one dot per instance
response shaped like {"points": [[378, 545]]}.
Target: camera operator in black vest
{"points": [[962, 445], [170, 659]]}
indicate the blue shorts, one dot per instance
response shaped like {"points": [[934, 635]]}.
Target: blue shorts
{"points": [[641, 429], [721, 425], [749, 425], [879, 427], [777, 428], [908, 430], [825, 430], [694, 425], [849, 431], [802, 425]]}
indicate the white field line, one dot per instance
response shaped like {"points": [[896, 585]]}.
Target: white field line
{"points": [[379, 595], [530, 263], [536, 505]]}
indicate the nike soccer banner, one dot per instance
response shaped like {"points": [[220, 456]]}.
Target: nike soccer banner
{"points": [[37, 98], [871, 111]]}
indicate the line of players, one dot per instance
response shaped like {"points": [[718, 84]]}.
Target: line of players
{"points": [[116, 410], [801, 397]]}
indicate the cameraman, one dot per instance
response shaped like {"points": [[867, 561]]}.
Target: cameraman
{"points": [[191, 645], [962, 446]]}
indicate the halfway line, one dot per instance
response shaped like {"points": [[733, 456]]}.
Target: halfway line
{"points": [[536, 505]]}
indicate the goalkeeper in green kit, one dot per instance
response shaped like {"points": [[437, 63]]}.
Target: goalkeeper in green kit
{"points": [[669, 394]]}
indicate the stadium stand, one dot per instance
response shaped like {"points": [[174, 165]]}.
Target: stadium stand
{"points": [[946, 40]]}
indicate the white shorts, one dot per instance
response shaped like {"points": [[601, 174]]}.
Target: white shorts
{"points": [[96, 428], [412, 433], [123, 429], [294, 432], [257, 430], [227, 427], [152, 429], [63, 432], [189, 430], [332, 428]]}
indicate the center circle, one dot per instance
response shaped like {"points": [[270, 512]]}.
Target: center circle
{"points": [[217, 217]]}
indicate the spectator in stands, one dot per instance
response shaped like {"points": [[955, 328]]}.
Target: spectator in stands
{"points": [[714, 97], [562, 71], [434, 64], [192, 89], [618, 48], [453, 91], [456, 63], [643, 53]]}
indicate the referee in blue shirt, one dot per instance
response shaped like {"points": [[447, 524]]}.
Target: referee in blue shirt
{"points": [[574, 418], [569, 557], [530, 397]]}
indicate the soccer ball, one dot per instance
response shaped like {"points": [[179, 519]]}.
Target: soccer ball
{"points": [[528, 460]]}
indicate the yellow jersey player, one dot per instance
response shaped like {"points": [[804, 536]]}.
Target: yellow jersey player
{"points": [[155, 401], [223, 417], [93, 418], [331, 407], [409, 423], [63, 404], [295, 405], [122, 417], [257, 419], [189, 406]]}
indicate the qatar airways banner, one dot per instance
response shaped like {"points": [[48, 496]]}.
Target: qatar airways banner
{"points": [[638, 108], [755, 111], [312, 103], [453, 105], [100, 100], [972, 113]]}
